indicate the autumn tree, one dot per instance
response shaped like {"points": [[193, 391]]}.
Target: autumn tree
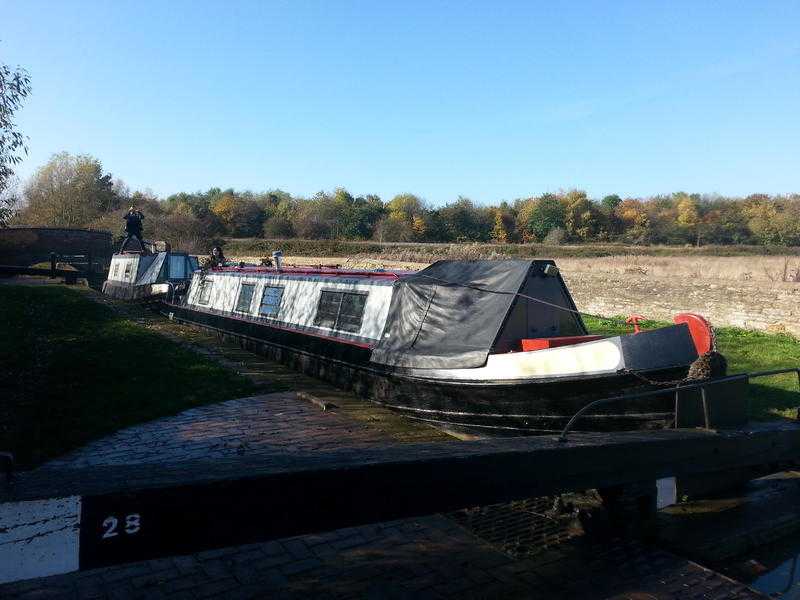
{"points": [[761, 212], [403, 220], [581, 218], [789, 220], [505, 219], [774, 220], [240, 214], [418, 227], [435, 229], [633, 215], [538, 216], [223, 206], [10, 198], [466, 222], [356, 217], [499, 231], [15, 86], [610, 202], [316, 217], [278, 227], [278, 221], [394, 228], [69, 191], [687, 210], [406, 205]]}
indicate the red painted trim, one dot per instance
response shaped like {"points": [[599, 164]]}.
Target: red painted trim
{"points": [[293, 330], [299, 271], [534, 344]]}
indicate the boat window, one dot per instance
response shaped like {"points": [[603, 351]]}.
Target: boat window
{"points": [[245, 297], [352, 312], [328, 309], [128, 266], [205, 292], [194, 264], [341, 310], [271, 301], [177, 266], [116, 269]]}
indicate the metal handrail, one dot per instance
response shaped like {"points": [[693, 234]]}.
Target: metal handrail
{"points": [[679, 388]]}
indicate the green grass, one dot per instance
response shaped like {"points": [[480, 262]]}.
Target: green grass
{"points": [[72, 370], [746, 351]]}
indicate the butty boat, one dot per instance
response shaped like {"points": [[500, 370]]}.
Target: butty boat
{"points": [[495, 346]]}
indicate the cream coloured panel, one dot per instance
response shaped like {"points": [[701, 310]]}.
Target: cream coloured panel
{"points": [[300, 298], [598, 357]]}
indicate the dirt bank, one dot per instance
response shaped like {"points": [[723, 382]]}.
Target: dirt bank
{"points": [[774, 307]]}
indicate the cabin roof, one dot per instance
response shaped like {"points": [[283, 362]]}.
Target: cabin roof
{"points": [[449, 314], [305, 272]]}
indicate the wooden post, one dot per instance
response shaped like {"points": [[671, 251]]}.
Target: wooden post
{"points": [[52, 265]]}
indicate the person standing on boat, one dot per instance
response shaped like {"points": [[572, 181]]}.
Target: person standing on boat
{"points": [[133, 227], [217, 258]]}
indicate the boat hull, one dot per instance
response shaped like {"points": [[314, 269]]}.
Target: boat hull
{"points": [[484, 408]]}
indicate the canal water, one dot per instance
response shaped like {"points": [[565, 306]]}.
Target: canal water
{"points": [[773, 569]]}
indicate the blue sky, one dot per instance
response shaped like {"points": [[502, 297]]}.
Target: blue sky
{"points": [[488, 100]]}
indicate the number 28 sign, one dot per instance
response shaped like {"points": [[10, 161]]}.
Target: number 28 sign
{"points": [[130, 526]]}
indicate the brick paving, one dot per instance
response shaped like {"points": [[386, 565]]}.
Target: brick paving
{"points": [[257, 426], [272, 376], [431, 557]]}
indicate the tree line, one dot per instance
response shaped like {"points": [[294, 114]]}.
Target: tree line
{"points": [[74, 191]]}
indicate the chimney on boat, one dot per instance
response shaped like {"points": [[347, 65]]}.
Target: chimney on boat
{"points": [[277, 259]]}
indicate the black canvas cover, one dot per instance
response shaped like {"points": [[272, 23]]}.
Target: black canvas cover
{"points": [[436, 322]]}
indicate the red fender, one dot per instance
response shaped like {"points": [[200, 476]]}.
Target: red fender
{"points": [[699, 328]]}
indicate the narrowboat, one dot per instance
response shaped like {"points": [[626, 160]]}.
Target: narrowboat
{"points": [[147, 275], [496, 347]]}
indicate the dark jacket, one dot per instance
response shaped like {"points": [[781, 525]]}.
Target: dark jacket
{"points": [[133, 221]]}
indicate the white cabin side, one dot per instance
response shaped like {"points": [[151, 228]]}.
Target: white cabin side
{"points": [[292, 300], [125, 268], [151, 268]]}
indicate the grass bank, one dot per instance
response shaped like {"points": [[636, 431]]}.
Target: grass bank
{"points": [[429, 252], [72, 370], [746, 351]]}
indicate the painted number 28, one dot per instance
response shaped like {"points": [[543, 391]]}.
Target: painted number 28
{"points": [[131, 526]]}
